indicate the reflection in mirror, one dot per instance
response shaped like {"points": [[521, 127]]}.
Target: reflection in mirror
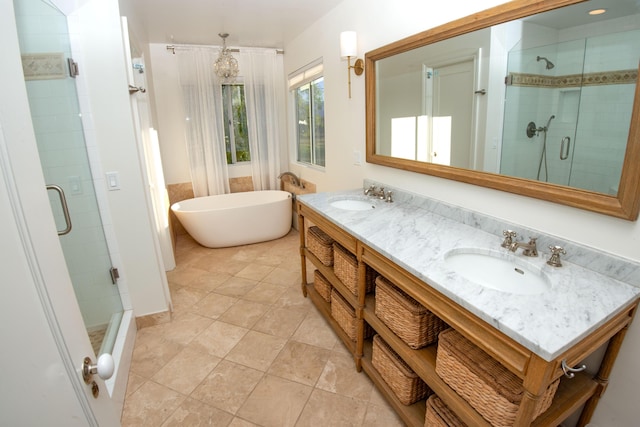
{"points": [[547, 98], [583, 102], [426, 102]]}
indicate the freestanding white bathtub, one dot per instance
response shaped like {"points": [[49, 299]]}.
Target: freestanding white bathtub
{"points": [[237, 218]]}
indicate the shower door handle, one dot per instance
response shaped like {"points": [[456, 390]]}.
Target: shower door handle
{"points": [[65, 208], [564, 152]]}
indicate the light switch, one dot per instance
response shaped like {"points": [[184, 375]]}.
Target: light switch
{"points": [[113, 181], [357, 158]]}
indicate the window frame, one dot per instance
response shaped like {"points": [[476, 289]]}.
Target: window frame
{"points": [[228, 112], [296, 80]]}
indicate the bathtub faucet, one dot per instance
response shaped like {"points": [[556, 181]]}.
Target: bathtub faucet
{"points": [[294, 179]]}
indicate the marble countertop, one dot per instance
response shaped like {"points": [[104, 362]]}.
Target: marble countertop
{"points": [[577, 303]]}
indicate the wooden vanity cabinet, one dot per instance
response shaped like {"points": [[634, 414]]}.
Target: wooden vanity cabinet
{"points": [[582, 391]]}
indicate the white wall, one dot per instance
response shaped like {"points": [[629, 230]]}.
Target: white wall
{"points": [[103, 65], [171, 116], [379, 22]]}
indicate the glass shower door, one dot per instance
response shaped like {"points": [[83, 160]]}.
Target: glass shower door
{"points": [[538, 142], [606, 106], [53, 100], [583, 91]]}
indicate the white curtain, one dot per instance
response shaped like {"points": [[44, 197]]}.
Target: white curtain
{"points": [[263, 73], [202, 99]]}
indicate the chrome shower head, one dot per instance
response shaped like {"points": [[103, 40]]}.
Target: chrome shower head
{"points": [[549, 63]]}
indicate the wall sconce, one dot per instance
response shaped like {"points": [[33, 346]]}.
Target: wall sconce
{"points": [[349, 48]]}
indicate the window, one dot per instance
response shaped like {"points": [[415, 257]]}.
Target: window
{"points": [[307, 88], [236, 136]]}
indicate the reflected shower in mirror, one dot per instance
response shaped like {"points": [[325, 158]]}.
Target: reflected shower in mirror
{"points": [[589, 87]]}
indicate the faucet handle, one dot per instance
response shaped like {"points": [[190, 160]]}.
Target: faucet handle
{"points": [[388, 198], [509, 235], [532, 250], [371, 189], [554, 260]]}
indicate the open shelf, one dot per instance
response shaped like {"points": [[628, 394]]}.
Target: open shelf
{"points": [[423, 363], [325, 309], [571, 394], [412, 415], [328, 273]]}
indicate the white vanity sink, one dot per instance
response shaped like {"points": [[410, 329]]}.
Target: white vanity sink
{"points": [[499, 271], [353, 204]]}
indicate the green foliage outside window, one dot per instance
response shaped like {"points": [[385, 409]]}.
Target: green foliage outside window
{"points": [[236, 135], [309, 101]]}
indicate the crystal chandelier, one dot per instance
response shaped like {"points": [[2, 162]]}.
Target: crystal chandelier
{"points": [[226, 66]]}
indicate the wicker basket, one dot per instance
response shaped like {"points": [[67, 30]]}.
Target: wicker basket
{"points": [[345, 316], [439, 415], [490, 388], [320, 244], [409, 320], [406, 384], [322, 286], [345, 266]]}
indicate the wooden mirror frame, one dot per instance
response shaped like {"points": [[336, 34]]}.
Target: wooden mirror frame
{"points": [[625, 205]]}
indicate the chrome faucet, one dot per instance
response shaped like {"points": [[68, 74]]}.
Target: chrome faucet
{"points": [[529, 249], [294, 179], [509, 235], [373, 191], [379, 193], [556, 251]]}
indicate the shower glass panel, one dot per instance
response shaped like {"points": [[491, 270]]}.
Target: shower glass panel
{"points": [[53, 100], [584, 90], [605, 111], [536, 93]]}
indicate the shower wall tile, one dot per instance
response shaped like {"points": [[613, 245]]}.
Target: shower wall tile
{"points": [[611, 51]]}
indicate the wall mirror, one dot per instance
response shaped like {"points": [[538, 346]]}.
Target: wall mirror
{"points": [[535, 98]]}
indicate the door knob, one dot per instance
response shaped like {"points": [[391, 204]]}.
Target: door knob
{"points": [[104, 368]]}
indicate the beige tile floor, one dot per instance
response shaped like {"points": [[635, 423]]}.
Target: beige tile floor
{"points": [[245, 348]]}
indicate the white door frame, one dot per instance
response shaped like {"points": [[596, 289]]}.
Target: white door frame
{"points": [[468, 56]]}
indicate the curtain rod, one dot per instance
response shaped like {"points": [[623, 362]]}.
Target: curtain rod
{"points": [[172, 48]]}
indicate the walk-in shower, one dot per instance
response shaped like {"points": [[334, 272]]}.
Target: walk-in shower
{"points": [[55, 110], [585, 97]]}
